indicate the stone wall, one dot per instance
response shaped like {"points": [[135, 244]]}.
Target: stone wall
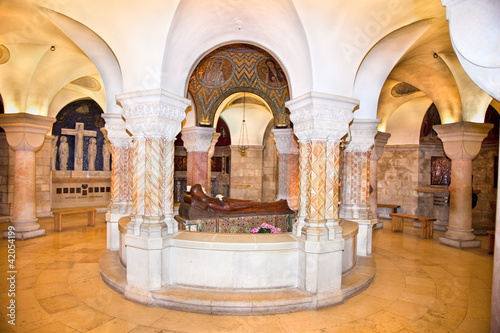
{"points": [[404, 179], [270, 171], [4, 176], [483, 170], [398, 175], [246, 174]]}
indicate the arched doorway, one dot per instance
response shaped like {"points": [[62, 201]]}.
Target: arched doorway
{"points": [[236, 79]]}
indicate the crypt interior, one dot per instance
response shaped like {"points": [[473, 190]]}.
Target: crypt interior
{"points": [[348, 112]]}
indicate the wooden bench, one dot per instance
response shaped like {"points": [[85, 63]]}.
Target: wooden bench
{"points": [[58, 214], [426, 223]]}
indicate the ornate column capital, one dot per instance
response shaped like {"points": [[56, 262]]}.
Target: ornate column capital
{"points": [[285, 141], [318, 116], [24, 131], [153, 113], [116, 130], [381, 139], [363, 133], [197, 138], [462, 140]]}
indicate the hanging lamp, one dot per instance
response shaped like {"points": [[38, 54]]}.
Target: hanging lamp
{"points": [[243, 143]]}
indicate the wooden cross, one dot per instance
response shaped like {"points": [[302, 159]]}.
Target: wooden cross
{"points": [[79, 132]]}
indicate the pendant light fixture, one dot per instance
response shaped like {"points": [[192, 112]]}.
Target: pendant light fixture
{"points": [[243, 143]]}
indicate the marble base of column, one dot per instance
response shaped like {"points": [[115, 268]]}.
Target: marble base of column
{"points": [[334, 229], [460, 239], [153, 226], [315, 230], [459, 244], [21, 235]]}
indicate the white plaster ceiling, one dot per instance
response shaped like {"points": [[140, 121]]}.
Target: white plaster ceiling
{"points": [[328, 46]]}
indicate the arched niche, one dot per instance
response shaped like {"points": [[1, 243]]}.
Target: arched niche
{"points": [[238, 68]]}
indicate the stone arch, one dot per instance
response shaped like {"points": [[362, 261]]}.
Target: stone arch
{"points": [[238, 68]]}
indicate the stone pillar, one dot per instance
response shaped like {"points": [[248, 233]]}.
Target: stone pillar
{"points": [[320, 121], [211, 152], [197, 141], [25, 135], [119, 206], [288, 176], [461, 143], [304, 170], [355, 204], [154, 119], [381, 139]]}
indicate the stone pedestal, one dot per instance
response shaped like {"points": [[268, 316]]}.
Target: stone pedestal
{"points": [[25, 135], [197, 141], [381, 139], [154, 119], [320, 121], [288, 176], [461, 143]]}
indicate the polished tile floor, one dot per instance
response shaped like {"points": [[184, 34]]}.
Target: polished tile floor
{"points": [[419, 286]]}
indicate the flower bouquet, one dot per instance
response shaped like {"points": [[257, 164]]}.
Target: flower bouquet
{"points": [[265, 228]]}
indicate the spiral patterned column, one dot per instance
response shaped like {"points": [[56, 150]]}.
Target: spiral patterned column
{"points": [[154, 178], [168, 185], [138, 181], [304, 169], [332, 188], [129, 168], [116, 173], [315, 223]]}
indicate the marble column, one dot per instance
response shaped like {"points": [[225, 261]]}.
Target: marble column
{"points": [[381, 139], [288, 176], [25, 135], [197, 141], [304, 170], [154, 119], [211, 152], [120, 204], [320, 121], [461, 143], [355, 201]]}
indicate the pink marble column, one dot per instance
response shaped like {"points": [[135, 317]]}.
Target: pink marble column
{"points": [[319, 122], [25, 135], [356, 170], [461, 143], [197, 142], [288, 177], [378, 149], [304, 170], [333, 189], [211, 152]]}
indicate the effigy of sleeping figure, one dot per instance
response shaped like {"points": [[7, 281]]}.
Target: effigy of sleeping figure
{"points": [[198, 204]]}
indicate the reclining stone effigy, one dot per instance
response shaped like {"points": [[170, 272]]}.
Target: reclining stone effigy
{"points": [[222, 214]]}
